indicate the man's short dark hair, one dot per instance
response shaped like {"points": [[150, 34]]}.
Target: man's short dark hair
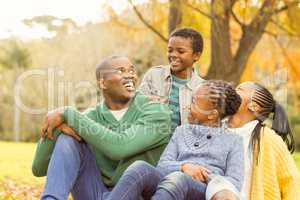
{"points": [[195, 36], [104, 65]]}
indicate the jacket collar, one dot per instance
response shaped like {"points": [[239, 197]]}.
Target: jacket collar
{"points": [[191, 84]]}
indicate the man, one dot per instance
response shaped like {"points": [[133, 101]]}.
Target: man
{"points": [[126, 127]]}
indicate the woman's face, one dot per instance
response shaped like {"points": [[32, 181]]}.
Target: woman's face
{"points": [[245, 90]]}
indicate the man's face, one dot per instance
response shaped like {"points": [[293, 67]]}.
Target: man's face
{"points": [[180, 54], [119, 80]]}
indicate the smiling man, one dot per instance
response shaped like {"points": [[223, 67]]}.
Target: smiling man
{"points": [[126, 127]]}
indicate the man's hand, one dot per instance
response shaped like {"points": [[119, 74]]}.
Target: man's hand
{"points": [[65, 129], [52, 121], [197, 172], [161, 99]]}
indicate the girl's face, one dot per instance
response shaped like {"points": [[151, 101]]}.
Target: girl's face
{"points": [[201, 109]]}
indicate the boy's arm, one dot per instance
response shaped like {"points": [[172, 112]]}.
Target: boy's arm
{"points": [[149, 129], [235, 164]]}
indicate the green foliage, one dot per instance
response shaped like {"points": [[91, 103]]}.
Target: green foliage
{"points": [[15, 55]]}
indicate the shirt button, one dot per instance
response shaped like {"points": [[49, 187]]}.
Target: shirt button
{"points": [[196, 144], [208, 137]]}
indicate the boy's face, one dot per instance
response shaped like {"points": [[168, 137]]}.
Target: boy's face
{"points": [[201, 110], [180, 54]]}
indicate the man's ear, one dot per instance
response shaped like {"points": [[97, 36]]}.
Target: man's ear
{"points": [[197, 56], [101, 84], [213, 115]]}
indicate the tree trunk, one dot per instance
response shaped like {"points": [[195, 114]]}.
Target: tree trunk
{"points": [[224, 65], [17, 113], [221, 56], [175, 15]]}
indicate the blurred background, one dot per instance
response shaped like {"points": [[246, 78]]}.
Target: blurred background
{"points": [[49, 50]]}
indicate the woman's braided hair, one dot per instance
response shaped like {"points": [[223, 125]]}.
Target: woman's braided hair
{"points": [[263, 97], [224, 96]]}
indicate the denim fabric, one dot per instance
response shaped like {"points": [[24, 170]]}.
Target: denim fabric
{"points": [[139, 179], [73, 168], [142, 179], [179, 186]]}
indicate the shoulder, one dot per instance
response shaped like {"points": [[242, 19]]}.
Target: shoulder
{"points": [[144, 104], [183, 131], [196, 80], [270, 137], [158, 70], [273, 144]]}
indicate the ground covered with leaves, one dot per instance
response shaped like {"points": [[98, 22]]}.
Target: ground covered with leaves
{"points": [[16, 179]]}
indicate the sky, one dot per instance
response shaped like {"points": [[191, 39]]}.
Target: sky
{"points": [[12, 12]]}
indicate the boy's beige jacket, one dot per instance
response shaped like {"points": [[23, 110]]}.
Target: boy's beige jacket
{"points": [[157, 81]]}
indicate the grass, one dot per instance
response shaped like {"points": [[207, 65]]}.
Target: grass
{"points": [[16, 179]]}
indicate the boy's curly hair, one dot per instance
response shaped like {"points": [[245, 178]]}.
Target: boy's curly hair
{"points": [[195, 36], [224, 96]]}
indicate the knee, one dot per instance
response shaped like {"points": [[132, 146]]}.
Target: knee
{"points": [[225, 195], [139, 168], [175, 180], [66, 144], [177, 177]]}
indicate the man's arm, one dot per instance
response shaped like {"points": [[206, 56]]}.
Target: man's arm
{"points": [[149, 129], [45, 148], [43, 154]]}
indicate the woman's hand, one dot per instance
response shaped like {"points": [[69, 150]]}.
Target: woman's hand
{"points": [[197, 172]]}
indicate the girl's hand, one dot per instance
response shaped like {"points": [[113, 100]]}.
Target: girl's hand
{"points": [[197, 172]]}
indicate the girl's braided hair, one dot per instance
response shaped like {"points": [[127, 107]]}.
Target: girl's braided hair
{"points": [[227, 101]]}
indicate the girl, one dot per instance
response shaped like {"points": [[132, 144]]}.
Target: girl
{"points": [[195, 155]]}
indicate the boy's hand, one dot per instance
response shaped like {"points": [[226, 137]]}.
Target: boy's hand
{"points": [[65, 129], [197, 172], [52, 120]]}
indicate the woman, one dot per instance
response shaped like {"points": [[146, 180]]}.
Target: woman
{"points": [[270, 171]]}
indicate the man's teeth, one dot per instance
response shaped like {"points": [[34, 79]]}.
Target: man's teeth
{"points": [[129, 85]]}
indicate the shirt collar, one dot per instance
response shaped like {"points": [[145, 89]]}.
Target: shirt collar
{"points": [[189, 84]]}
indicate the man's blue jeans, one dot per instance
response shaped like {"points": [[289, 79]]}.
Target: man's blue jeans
{"points": [[73, 168], [142, 179]]}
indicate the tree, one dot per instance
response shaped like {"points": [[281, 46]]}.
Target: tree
{"points": [[15, 57], [226, 63]]}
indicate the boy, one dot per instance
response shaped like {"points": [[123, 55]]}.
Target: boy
{"points": [[174, 83]]}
